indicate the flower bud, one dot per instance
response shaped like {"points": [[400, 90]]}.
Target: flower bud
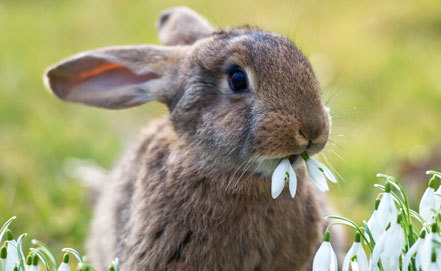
{"points": [[326, 236], [9, 235], [66, 258], [3, 253], [35, 260], [29, 260], [432, 182], [357, 237], [377, 202], [387, 187]]}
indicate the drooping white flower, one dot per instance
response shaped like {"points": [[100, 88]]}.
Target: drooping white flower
{"points": [[325, 258], [375, 224], [64, 266], [358, 251], [283, 173], [389, 247], [318, 173], [428, 248], [12, 258], [414, 250], [387, 211], [429, 205], [3, 256]]}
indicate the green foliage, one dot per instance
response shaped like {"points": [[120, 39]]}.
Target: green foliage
{"points": [[378, 63]]}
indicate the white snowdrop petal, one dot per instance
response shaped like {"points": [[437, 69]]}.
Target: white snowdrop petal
{"points": [[427, 204], [316, 176], [413, 249], [334, 263], [378, 249], [347, 259], [362, 260], [375, 226], [64, 267], [12, 257], [326, 171], [278, 178], [433, 267], [387, 211], [292, 181], [322, 258], [438, 198]]}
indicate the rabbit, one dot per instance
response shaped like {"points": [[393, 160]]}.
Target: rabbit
{"points": [[195, 192]]}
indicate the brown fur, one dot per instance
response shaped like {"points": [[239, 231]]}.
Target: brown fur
{"points": [[194, 194]]}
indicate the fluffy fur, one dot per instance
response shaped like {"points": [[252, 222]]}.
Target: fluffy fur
{"points": [[194, 194]]}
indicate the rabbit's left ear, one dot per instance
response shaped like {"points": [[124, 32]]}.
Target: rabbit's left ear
{"points": [[182, 26], [116, 77]]}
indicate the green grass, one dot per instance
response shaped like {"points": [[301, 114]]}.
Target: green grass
{"points": [[378, 62]]}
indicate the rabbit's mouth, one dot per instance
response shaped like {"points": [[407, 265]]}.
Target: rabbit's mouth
{"points": [[293, 158]]}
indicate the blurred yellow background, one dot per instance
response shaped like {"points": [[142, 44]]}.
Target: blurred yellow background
{"points": [[379, 64]]}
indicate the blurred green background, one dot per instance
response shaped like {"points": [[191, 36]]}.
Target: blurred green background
{"points": [[379, 63]]}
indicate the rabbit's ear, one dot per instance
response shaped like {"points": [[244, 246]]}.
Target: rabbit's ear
{"points": [[182, 26], [116, 77]]}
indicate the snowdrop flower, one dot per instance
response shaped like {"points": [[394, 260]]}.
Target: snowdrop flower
{"points": [[325, 258], [389, 247], [358, 251], [3, 256], [428, 247], [35, 266], [429, 205], [64, 266], [375, 224], [28, 264], [387, 212], [415, 248], [283, 173], [318, 173], [12, 252]]}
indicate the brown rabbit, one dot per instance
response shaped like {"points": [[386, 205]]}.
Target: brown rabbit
{"points": [[195, 193]]}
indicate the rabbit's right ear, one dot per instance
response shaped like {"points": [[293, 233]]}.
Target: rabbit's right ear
{"points": [[182, 26], [116, 77]]}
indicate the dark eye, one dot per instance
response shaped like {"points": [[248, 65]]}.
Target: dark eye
{"points": [[237, 80]]}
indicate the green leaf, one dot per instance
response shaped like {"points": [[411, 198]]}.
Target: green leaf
{"points": [[20, 253]]}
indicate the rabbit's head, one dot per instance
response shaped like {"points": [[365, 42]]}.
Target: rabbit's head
{"points": [[236, 95]]}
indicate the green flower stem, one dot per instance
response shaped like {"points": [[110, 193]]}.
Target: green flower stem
{"points": [[348, 222], [76, 254], [433, 172], [45, 250], [41, 257]]}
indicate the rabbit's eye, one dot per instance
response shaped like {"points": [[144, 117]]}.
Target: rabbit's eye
{"points": [[237, 80]]}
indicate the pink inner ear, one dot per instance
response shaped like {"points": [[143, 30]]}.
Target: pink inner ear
{"points": [[108, 75]]}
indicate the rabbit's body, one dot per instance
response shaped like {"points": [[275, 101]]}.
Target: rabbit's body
{"points": [[195, 194], [166, 209]]}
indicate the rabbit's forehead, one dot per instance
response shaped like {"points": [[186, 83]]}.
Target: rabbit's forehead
{"points": [[274, 59]]}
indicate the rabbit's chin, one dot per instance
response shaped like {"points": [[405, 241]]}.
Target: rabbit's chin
{"points": [[265, 166]]}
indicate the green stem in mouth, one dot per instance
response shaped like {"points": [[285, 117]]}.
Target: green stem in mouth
{"points": [[305, 156]]}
